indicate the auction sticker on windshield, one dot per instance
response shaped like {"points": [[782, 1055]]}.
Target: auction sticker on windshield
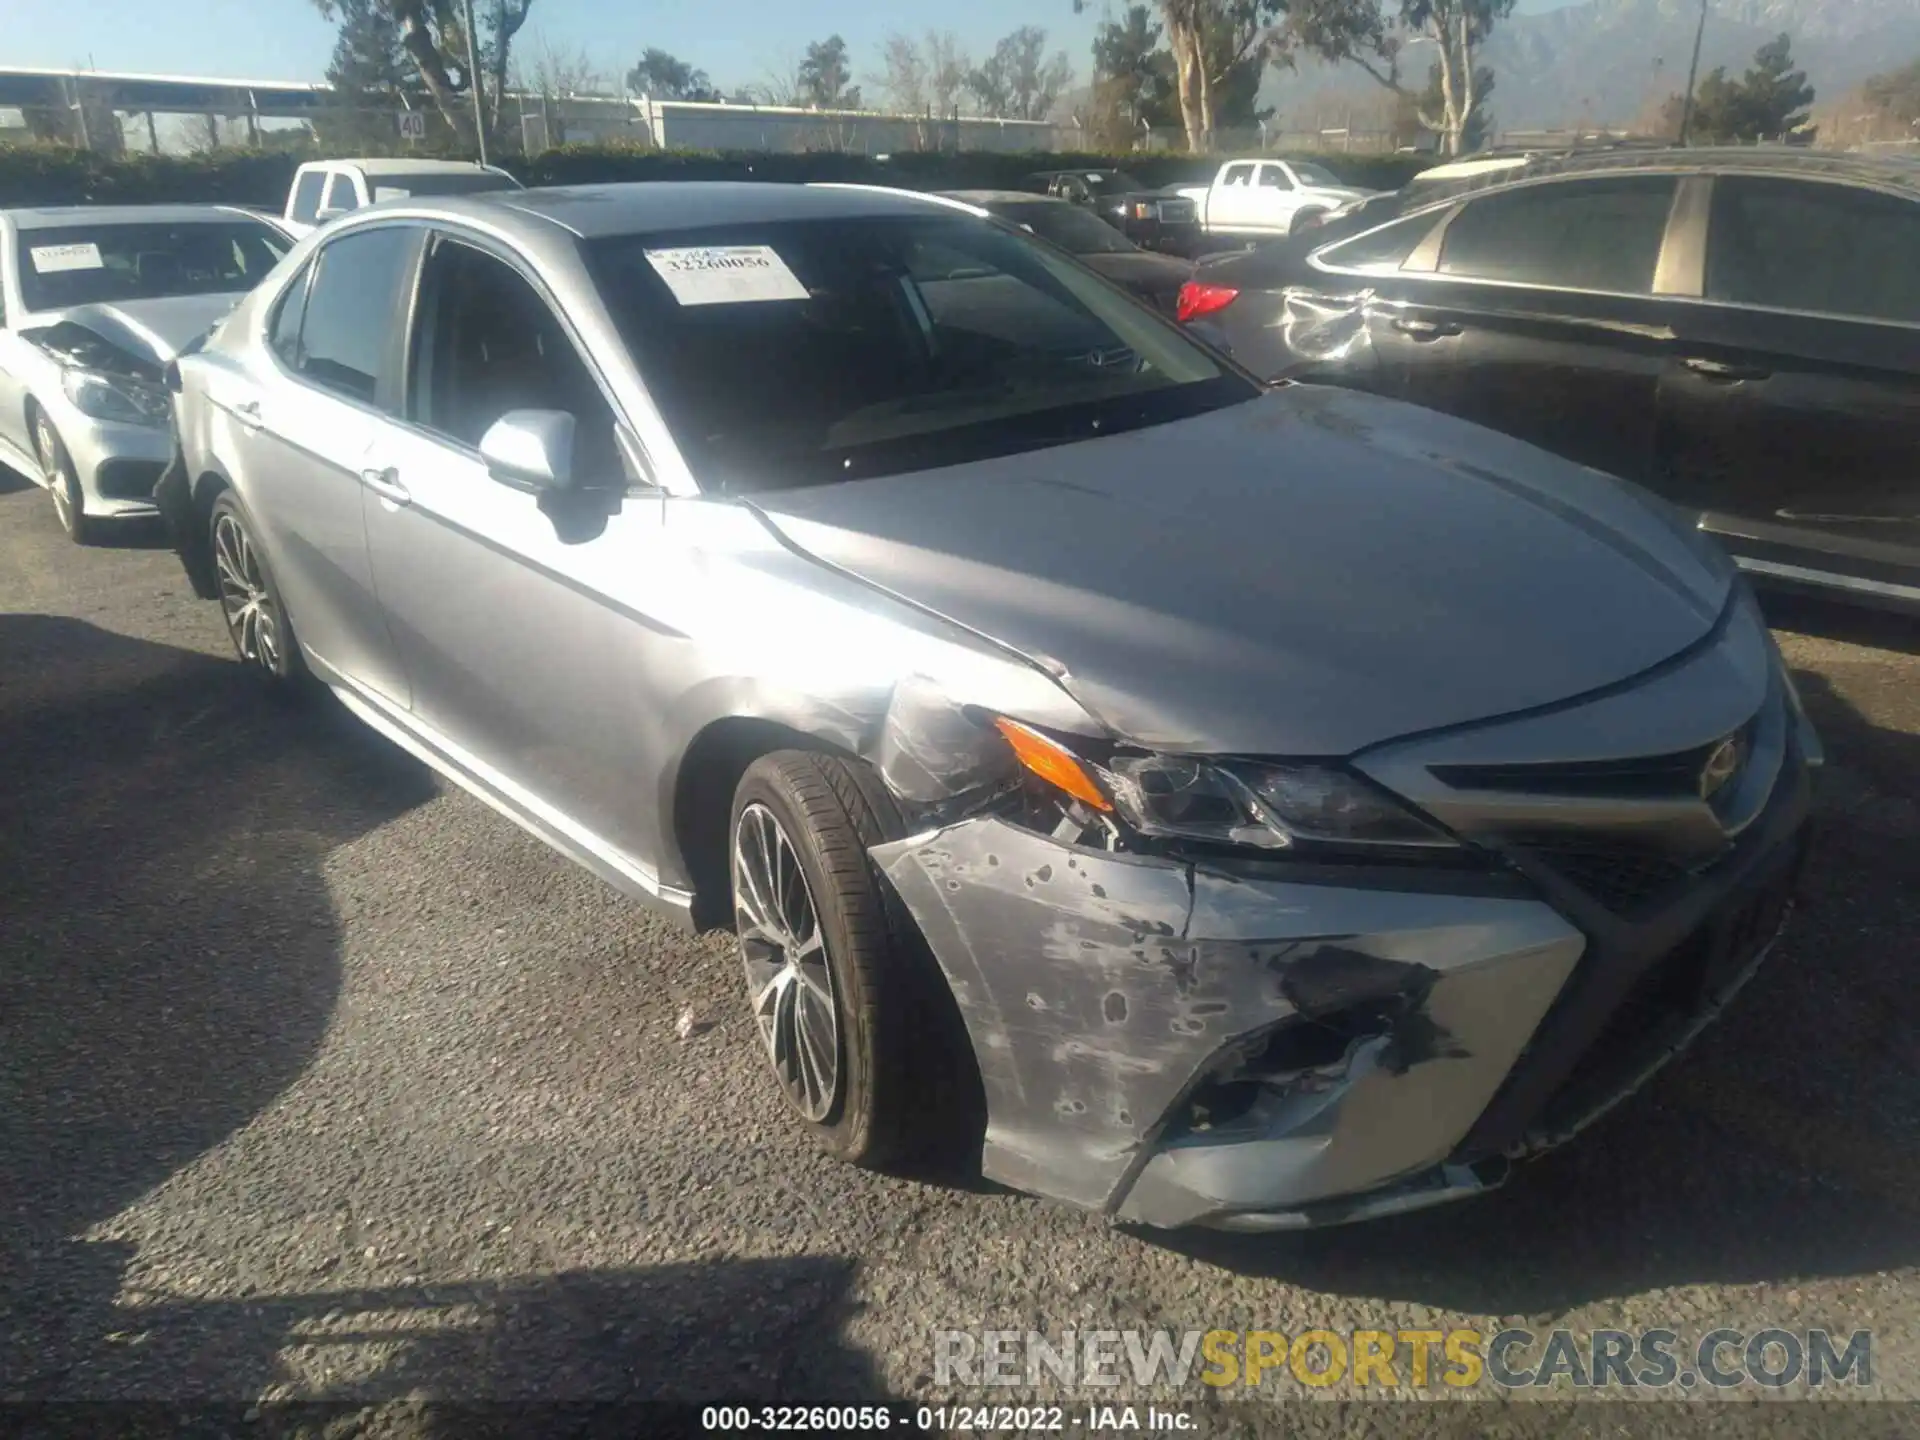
{"points": [[726, 274], [51, 259]]}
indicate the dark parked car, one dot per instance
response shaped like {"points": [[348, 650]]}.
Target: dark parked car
{"points": [[1155, 278], [1153, 219], [1737, 329]]}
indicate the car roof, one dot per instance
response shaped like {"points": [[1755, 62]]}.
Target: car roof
{"points": [[591, 211], [989, 198], [54, 217], [1783, 161], [392, 165]]}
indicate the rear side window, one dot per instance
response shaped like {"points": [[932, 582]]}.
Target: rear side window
{"points": [[340, 192], [353, 313], [284, 336], [1577, 235], [1237, 175], [306, 195], [1799, 245], [1385, 248]]}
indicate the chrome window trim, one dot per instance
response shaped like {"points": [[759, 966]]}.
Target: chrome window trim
{"points": [[1681, 268]]}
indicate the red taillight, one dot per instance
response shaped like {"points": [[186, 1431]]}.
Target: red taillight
{"points": [[1197, 300]]}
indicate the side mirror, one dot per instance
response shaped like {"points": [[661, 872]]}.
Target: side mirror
{"points": [[530, 448]]}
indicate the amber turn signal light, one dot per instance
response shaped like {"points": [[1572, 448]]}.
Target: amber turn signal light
{"points": [[1052, 762]]}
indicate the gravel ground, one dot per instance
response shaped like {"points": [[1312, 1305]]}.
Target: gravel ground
{"points": [[319, 1080]]}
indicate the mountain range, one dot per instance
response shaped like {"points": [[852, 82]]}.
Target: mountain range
{"points": [[1605, 61]]}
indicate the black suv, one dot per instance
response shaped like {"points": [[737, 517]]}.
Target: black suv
{"points": [[1739, 330], [1152, 219]]}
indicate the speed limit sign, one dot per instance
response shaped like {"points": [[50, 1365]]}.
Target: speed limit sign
{"points": [[413, 125]]}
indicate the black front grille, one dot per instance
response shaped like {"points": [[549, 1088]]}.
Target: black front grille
{"points": [[128, 479], [1639, 777], [1623, 875]]}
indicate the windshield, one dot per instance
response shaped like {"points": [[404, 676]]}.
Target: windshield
{"points": [[1310, 174], [399, 187], [1069, 227], [95, 264], [802, 352]]}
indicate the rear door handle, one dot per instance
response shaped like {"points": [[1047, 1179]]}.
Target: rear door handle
{"points": [[1720, 370], [386, 484], [1426, 329]]}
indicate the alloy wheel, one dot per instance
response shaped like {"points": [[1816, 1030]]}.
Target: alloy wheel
{"points": [[54, 473], [784, 954], [245, 601]]}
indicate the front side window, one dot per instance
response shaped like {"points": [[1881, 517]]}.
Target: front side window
{"points": [[803, 352], [1275, 178], [1237, 175], [488, 343], [104, 264], [1827, 248], [1574, 235], [348, 332], [306, 195], [1310, 174]]}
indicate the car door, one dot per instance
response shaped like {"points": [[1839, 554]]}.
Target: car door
{"points": [[1272, 199], [1537, 315], [321, 398], [1229, 202], [1790, 412], [13, 390], [522, 667]]}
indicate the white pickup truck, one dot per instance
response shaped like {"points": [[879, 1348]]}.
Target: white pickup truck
{"points": [[1254, 200], [323, 189]]}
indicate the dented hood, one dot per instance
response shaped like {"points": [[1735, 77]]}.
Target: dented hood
{"points": [[1309, 573], [155, 330]]}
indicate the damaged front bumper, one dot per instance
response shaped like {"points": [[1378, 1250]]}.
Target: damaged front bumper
{"points": [[1177, 1043]]}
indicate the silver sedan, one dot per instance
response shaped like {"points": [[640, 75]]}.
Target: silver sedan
{"points": [[94, 301], [1202, 802]]}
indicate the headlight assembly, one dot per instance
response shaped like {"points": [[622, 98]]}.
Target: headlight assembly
{"points": [[115, 397]]}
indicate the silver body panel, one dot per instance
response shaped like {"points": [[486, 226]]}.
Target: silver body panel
{"points": [[1309, 573]]}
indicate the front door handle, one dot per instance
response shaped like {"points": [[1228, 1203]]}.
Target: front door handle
{"points": [[247, 412], [1426, 329], [1720, 370], [386, 484]]}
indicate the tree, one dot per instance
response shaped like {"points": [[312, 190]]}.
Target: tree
{"points": [[1133, 81], [824, 76], [1770, 100], [1019, 81], [947, 69], [1210, 41], [435, 42], [667, 77], [1478, 122], [1372, 34], [370, 75]]}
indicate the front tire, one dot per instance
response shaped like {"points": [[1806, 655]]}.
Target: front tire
{"points": [[250, 603], [62, 481], [850, 1008]]}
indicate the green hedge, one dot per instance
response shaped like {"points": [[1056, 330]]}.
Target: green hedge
{"points": [[53, 175]]}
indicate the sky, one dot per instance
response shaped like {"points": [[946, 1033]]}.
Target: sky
{"points": [[737, 45]]}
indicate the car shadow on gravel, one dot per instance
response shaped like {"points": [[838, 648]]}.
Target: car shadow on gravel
{"points": [[168, 950], [1785, 1144]]}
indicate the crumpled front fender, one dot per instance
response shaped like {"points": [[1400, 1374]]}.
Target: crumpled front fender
{"points": [[1109, 996]]}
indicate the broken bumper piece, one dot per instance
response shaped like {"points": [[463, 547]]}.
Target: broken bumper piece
{"points": [[1174, 1044]]}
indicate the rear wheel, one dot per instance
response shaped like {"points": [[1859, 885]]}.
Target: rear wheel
{"points": [[851, 1010], [250, 602], [58, 475]]}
